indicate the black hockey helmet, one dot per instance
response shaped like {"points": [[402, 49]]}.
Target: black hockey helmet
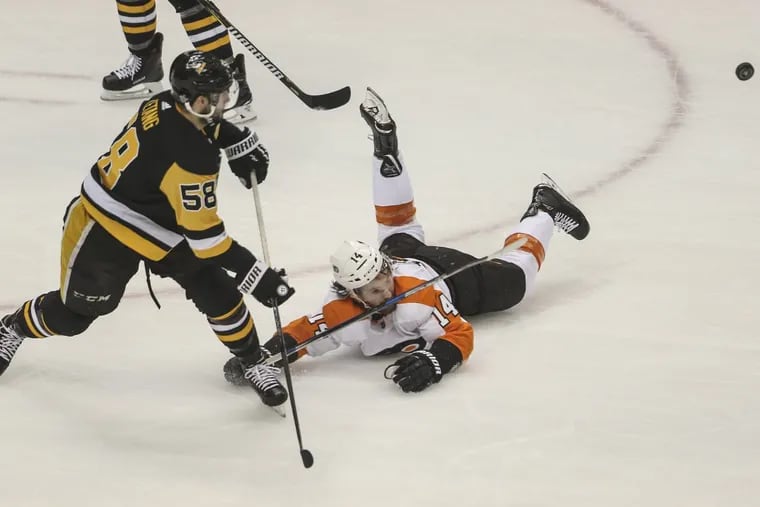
{"points": [[195, 73]]}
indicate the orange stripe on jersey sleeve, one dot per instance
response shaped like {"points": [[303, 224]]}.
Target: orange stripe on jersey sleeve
{"points": [[398, 214]]}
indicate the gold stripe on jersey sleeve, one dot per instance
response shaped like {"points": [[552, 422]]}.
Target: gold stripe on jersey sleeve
{"points": [[194, 25], [192, 197], [139, 29], [214, 45], [135, 9], [124, 234]]}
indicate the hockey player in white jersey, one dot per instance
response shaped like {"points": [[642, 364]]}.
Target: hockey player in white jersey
{"points": [[430, 325]]}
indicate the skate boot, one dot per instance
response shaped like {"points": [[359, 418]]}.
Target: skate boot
{"points": [[10, 340], [384, 138], [139, 76], [242, 111], [264, 381], [548, 197]]}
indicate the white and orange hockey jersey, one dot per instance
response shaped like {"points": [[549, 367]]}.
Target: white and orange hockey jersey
{"points": [[415, 323], [426, 316]]}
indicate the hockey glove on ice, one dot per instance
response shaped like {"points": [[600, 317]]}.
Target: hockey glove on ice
{"points": [[245, 154], [266, 284], [415, 372]]}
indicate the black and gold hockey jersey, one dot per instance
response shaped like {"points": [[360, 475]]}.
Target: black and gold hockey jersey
{"points": [[156, 186]]}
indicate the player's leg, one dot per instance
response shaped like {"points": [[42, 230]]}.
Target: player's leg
{"points": [[215, 294], [506, 281], [95, 269], [140, 75], [399, 233]]}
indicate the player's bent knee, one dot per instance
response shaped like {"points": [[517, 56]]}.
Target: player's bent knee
{"points": [[62, 319], [503, 286], [400, 245], [211, 290]]}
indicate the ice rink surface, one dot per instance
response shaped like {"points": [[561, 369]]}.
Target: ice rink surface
{"points": [[630, 378]]}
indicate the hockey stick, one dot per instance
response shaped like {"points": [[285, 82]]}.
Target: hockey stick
{"points": [[306, 457], [325, 101], [515, 245]]}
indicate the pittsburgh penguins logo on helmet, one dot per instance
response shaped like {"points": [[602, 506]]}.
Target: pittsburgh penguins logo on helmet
{"points": [[195, 73]]}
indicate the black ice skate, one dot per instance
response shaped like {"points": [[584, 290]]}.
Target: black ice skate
{"points": [[264, 381], [10, 340], [548, 197], [375, 113], [139, 76], [242, 111]]}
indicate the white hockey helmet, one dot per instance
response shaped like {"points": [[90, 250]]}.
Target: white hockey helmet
{"points": [[355, 264]]}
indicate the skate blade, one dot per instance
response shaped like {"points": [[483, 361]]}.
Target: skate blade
{"points": [[549, 181], [141, 91], [242, 114], [279, 410], [373, 101]]}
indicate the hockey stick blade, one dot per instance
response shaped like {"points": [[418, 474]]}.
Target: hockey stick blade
{"points": [[515, 245], [324, 101]]}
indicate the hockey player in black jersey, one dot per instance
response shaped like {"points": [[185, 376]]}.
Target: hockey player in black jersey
{"points": [[152, 197], [141, 74]]}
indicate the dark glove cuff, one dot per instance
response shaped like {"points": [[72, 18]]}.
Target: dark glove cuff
{"points": [[437, 373], [242, 147], [274, 346], [229, 134], [237, 259], [448, 355]]}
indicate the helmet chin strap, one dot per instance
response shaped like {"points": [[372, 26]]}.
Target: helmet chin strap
{"points": [[232, 91], [205, 116]]}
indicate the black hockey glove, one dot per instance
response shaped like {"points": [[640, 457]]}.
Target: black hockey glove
{"points": [[266, 284], [234, 373], [415, 372], [245, 153]]}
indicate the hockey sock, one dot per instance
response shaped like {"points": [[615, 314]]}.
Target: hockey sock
{"points": [[206, 33], [138, 22]]}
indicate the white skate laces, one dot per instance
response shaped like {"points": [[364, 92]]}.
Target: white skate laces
{"points": [[9, 342], [262, 376], [129, 68], [564, 223]]}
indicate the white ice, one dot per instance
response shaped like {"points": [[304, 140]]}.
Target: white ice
{"points": [[631, 378]]}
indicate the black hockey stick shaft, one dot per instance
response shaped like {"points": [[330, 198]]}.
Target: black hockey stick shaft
{"points": [[330, 100], [515, 245], [306, 457]]}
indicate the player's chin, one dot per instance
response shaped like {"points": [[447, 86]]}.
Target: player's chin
{"points": [[388, 310]]}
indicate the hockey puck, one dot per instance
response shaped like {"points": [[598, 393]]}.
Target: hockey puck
{"points": [[745, 71]]}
